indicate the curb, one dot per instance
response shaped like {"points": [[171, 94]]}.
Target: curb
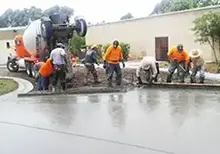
{"points": [[74, 92], [24, 86]]}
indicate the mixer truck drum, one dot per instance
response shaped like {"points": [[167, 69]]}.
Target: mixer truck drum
{"points": [[81, 27]]}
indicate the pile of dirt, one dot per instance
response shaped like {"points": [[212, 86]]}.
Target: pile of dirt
{"points": [[128, 75]]}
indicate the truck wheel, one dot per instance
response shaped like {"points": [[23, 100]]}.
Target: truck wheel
{"points": [[33, 71], [12, 66], [81, 27], [28, 69]]}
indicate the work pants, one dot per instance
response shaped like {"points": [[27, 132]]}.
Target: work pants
{"points": [[59, 74], [173, 65], [43, 83], [90, 68], [201, 70], [117, 69]]}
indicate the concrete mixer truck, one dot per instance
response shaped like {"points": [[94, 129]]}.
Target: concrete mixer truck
{"points": [[40, 38]]}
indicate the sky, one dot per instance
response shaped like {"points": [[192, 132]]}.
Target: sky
{"points": [[92, 10]]}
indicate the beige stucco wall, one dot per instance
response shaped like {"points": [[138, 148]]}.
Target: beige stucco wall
{"points": [[141, 33]]}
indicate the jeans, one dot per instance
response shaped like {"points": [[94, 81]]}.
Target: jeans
{"points": [[117, 69], [43, 83]]}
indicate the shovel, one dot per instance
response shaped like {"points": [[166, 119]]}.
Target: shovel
{"points": [[187, 73]]}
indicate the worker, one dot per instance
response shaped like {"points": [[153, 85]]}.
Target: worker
{"points": [[197, 64], [37, 67], [89, 61], [112, 59], [44, 74], [179, 60], [151, 67], [59, 58]]}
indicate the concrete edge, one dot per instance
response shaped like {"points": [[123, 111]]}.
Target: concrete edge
{"points": [[24, 86], [73, 92], [181, 86]]}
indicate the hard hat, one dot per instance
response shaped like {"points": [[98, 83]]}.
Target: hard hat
{"points": [[180, 47], [93, 46], [115, 42], [60, 45]]}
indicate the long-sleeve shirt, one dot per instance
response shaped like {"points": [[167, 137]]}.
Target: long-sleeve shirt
{"points": [[91, 57], [147, 63], [197, 62], [113, 55]]}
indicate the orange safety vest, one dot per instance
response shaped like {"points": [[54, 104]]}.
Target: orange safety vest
{"points": [[46, 69], [113, 55]]}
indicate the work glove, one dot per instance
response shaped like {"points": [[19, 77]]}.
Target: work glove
{"points": [[139, 80], [105, 64]]}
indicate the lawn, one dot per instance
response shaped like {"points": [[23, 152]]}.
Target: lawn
{"points": [[7, 85]]}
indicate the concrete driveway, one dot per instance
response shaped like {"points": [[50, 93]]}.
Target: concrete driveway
{"points": [[138, 122]]}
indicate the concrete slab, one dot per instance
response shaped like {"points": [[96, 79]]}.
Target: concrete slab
{"points": [[174, 121]]}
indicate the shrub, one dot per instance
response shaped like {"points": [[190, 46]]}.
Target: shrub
{"points": [[76, 44]]}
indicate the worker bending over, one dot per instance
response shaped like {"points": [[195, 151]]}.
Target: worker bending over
{"points": [[58, 56], [44, 74], [197, 64], [89, 61], [179, 60], [112, 59], [151, 67]]}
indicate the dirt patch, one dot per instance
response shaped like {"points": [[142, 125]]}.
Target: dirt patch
{"points": [[7, 85], [128, 74]]}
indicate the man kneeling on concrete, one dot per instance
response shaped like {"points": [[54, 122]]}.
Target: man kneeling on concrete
{"points": [[151, 67], [58, 56], [179, 60], [197, 64], [89, 61]]}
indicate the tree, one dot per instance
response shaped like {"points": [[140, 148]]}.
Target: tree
{"points": [[178, 5], [127, 16], [207, 30]]}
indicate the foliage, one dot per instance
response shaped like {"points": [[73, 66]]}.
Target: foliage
{"points": [[178, 5], [127, 16], [18, 17], [76, 44], [207, 30]]}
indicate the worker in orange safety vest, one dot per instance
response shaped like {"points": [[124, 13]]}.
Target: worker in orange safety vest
{"points": [[179, 59], [44, 74], [112, 59]]}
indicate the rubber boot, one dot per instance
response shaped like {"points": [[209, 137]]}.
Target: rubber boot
{"points": [[202, 80], [169, 78], [192, 80]]}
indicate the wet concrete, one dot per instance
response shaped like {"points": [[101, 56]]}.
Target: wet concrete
{"points": [[146, 121]]}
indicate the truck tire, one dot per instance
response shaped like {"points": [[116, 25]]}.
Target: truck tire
{"points": [[12, 67], [33, 71], [81, 27], [28, 69]]}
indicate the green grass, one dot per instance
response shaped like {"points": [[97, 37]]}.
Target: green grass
{"points": [[7, 85]]}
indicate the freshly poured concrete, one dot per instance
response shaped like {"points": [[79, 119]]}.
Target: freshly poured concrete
{"points": [[147, 121]]}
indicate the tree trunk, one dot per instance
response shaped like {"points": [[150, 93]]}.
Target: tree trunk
{"points": [[218, 67]]}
